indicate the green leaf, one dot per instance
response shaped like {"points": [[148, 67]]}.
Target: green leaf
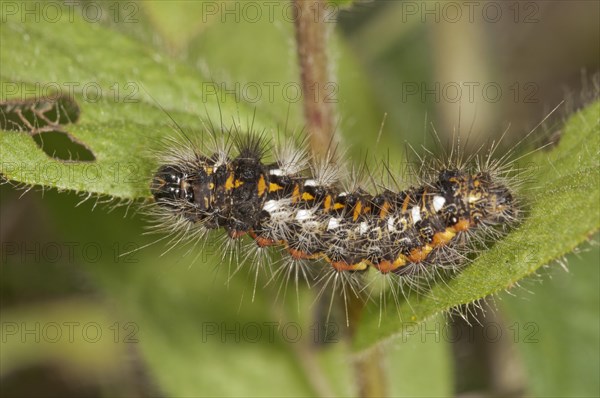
{"points": [[559, 323], [563, 213], [113, 86]]}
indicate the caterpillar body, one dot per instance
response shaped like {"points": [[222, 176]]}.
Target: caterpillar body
{"points": [[301, 206]]}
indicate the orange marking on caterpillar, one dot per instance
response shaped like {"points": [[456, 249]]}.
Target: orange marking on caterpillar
{"points": [[307, 197], [229, 183], [419, 254], [385, 208], [462, 225], [387, 266], [327, 203], [274, 187], [235, 234], [262, 186], [442, 238], [296, 193], [357, 211], [300, 255], [344, 266], [405, 204], [262, 241]]}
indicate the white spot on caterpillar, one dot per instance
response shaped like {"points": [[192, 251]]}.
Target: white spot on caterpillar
{"points": [[310, 183], [333, 223], [363, 228], [271, 206], [390, 224], [438, 202], [416, 214], [276, 172], [303, 215]]}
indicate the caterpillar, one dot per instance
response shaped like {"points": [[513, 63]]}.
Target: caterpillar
{"points": [[329, 231]]}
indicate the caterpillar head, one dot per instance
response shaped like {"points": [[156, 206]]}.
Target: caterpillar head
{"points": [[483, 198], [491, 202], [170, 185]]}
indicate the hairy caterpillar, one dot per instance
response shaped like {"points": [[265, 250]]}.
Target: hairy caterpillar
{"points": [[327, 231]]}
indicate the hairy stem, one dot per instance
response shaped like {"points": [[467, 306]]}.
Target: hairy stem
{"points": [[311, 43]]}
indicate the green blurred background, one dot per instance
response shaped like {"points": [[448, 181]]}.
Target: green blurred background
{"points": [[77, 320]]}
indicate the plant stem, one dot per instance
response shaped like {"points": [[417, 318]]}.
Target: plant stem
{"points": [[311, 43]]}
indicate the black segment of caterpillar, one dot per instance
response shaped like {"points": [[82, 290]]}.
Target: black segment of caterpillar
{"points": [[285, 204]]}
